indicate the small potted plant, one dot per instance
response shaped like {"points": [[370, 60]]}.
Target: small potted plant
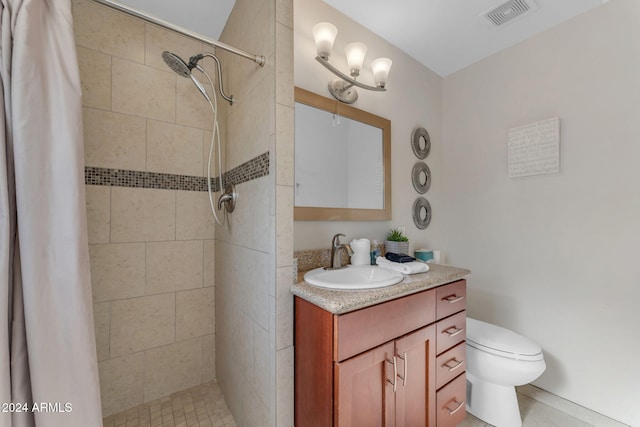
{"points": [[397, 242]]}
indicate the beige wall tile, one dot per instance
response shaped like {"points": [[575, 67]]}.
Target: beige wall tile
{"points": [[101, 317], [117, 271], [174, 266], [284, 308], [284, 386], [284, 13], [98, 213], [172, 367], [142, 323], [244, 280], [208, 358], [241, 349], [251, 121], [121, 383], [143, 91], [249, 223], [100, 28], [206, 143], [174, 149], [195, 313], [284, 145], [192, 109], [159, 40], [114, 140], [261, 363], [284, 65], [256, 411], [95, 78], [284, 225], [209, 263], [194, 219], [142, 214], [259, 39]]}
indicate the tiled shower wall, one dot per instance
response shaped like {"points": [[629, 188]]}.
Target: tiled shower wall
{"points": [[254, 320], [152, 249]]}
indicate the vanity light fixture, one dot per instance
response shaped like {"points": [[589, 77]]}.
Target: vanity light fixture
{"points": [[324, 34]]}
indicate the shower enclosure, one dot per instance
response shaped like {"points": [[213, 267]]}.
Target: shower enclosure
{"points": [[161, 318]]}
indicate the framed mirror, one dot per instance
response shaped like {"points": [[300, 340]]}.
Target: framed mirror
{"points": [[342, 161]]}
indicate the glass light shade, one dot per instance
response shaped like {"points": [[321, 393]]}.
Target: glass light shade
{"points": [[356, 52], [381, 68], [324, 34]]}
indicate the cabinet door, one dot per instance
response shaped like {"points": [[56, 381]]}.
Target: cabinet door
{"points": [[416, 391], [364, 389]]}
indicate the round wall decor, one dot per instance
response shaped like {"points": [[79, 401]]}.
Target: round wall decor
{"points": [[421, 143], [421, 213], [421, 177]]}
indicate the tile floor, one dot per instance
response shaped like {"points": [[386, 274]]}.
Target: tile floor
{"points": [[200, 406], [204, 406], [542, 409]]}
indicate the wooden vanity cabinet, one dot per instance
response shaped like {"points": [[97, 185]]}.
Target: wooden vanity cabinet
{"points": [[451, 332], [377, 366]]}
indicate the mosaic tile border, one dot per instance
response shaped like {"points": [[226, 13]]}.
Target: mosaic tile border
{"points": [[252, 169]]}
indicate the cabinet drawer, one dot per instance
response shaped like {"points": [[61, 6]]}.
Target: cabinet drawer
{"points": [[450, 403], [450, 364], [370, 327], [451, 299], [451, 331]]}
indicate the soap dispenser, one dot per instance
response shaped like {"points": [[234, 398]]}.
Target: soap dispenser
{"points": [[374, 253]]}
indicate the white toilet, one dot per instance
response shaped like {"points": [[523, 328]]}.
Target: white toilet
{"points": [[498, 360]]}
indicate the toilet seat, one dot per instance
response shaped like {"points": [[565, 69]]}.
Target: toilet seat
{"points": [[501, 341]]}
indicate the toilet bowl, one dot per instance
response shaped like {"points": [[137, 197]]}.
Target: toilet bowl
{"points": [[498, 359]]}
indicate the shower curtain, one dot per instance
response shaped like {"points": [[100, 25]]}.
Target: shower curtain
{"points": [[48, 365]]}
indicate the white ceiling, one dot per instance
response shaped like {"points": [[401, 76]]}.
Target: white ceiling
{"points": [[448, 35], [206, 17], [444, 35]]}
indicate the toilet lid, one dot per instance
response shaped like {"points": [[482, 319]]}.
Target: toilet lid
{"points": [[501, 341]]}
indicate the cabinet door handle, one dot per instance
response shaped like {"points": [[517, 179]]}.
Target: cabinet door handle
{"points": [[452, 299], [395, 374], [406, 369], [456, 409], [456, 364], [453, 331]]}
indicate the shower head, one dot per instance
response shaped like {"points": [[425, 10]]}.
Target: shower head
{"points": [[177, 64], [183, 69]]}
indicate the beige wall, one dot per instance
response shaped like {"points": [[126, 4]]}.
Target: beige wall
{"points": [[413, 99], [151, 249], [554, 257], [254, 348]]}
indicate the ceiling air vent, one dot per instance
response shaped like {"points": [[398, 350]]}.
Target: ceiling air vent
{"points": [[508, 11]]}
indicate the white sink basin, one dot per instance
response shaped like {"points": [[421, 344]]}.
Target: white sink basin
{"points": [[353, 277]]}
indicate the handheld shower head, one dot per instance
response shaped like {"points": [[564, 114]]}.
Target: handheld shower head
{"points": [[183, 69], [201, 88], [177, 64]]}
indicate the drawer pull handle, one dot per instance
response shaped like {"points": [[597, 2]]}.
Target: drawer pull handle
{"points": [[456, 409], [405, 360], [453, 331], [395, 374], [456, 364], [452, 299]]}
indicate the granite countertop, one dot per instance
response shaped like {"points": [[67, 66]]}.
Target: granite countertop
{"points": [[343, 301]]}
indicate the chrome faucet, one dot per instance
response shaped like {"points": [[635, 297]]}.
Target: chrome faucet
{"points": [[228, 198], [336, 248]]}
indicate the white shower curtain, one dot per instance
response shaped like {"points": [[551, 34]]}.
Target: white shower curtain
{"points": [[48, 366]]}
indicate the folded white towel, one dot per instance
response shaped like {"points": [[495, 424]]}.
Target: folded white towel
{"points": [[403, 267]]}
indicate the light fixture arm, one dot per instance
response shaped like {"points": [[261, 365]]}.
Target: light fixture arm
{"points": [[346, 78]]}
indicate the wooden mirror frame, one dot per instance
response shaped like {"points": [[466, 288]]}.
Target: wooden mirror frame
{"points": [[304, 213]]}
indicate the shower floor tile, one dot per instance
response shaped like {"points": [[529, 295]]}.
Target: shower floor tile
{"points": [[200, 406]]}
